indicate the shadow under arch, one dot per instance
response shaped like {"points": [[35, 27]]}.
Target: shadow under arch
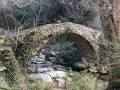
{"points": [[84, 45]]}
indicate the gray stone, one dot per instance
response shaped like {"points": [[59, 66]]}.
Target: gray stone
{"points": [[80, 65], [42, 60], [39, 62], [93, 69], [53, 58], [53, 53], [31, 68], [43, 51], [55, 74], [60, 82], [34, 62], [35, 58], [59, 67], [62, 62], [40, 70], [42, 76], [42, 56], [48, 63], [42, 65], [85, 61]]}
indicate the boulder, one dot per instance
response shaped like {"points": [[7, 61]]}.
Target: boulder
{"points": [[43, 51], [41, 70], [35, 58], [39, 65], [49, 63], [59, 67], [104, 69], [42, 56], [56, 74], [80, 65], [60, 82], [42, 76], [34, 62], [93, 69], [85, 61], [39, 62], [53, 60], [62, 62]]}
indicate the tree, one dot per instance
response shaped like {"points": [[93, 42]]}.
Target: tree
{"points": [[110, 18]]}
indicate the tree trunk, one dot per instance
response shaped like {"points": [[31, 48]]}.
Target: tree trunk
{"points": [[107, 20], [116, 16]]}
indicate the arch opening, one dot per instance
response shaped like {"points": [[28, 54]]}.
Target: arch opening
{"points": [[67, 49]]}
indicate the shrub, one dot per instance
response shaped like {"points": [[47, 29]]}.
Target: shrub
{"points": [[85, 81]]}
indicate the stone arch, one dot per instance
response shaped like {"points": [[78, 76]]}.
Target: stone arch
{"points": [[84, 36], [85, 46]]}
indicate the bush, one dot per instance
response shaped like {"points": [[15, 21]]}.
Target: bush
{"points": [[69, 50], [85, 81]]}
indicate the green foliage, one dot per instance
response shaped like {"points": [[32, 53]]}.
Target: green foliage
{"points": [[60, 38], [7, 42], [69, 52], [26, 15], [37, 84], [48, 11], [59, 21], [66, 46], [12, 74], [84, 81], [4, 42]]}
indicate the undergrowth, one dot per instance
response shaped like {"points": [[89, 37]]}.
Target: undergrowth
{"points": [[84, 81]]}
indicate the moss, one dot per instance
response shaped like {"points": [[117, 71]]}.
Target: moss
{"points": [[29, 37]]}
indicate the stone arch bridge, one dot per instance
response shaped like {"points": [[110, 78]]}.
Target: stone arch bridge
{"points": [[36, 37], [84, 36]]}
